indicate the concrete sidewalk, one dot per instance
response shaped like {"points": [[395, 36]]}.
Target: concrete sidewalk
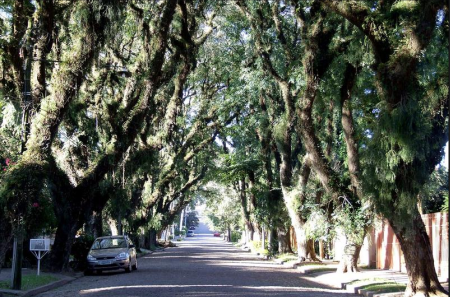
{"points": [[370, 276], [341, 280]]}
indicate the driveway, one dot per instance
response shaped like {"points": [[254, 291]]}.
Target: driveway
{"points": [[202, 265]]}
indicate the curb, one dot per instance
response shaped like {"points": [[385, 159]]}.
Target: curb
{"points": [[367, 293], [50, 286], [356, 289], [305, 269], [363, 292]]}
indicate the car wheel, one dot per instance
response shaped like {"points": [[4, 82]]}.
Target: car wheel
{"points": [[128, 268], [135, 265]]}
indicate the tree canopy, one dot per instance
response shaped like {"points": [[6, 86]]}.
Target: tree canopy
{"points": [[290, 111]]}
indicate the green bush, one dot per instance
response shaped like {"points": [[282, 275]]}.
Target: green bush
{"points": [[264, 252], [254, 245], [79, 251], [235, 236]]}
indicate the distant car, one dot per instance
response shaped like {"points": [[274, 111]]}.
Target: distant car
{"points": [[216, 234], [111, 252], [190, 233], [192, 228]]}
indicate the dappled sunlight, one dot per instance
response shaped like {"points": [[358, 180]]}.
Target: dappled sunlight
{"points": [[246, 264]]}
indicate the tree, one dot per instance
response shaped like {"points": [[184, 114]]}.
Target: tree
{"points": [[126, 112], [433, 195], [222, 209], [411, 130]]}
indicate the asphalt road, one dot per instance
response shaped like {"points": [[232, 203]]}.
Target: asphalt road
{"points": [[202, 265]]}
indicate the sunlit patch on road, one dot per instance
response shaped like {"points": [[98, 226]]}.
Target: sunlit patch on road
{"points": [[96, 290]]}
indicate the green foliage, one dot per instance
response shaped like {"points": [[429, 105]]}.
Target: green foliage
{"points": [[445, 204], [22, 194], [155, 222], [178, 232], [228, 117], [255, 247], [235, 236], [353, 220], [435, 192], [80, 250], [318, 226], [223, 209], [192, 219]]}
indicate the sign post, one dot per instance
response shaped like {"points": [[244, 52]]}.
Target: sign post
{"points": [[39, 248]]}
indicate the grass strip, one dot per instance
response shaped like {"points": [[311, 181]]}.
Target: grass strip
{"points": [[385, 287], [30, 281]]}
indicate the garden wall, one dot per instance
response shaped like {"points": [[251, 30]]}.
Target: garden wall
{"points": [[381, 248], [388, 254]]}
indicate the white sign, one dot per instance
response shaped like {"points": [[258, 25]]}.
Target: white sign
{"points": [[39, 244]]}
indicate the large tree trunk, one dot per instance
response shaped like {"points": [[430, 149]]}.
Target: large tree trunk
{"points": [[273, 241], [152, 238], [244, 209], [250, 232], [64, 238], [349, 261], [257, 231], [228, 234], [94, 226], [310, 251], [416, 248], [297, 223], [98, 224], [284, 241]]}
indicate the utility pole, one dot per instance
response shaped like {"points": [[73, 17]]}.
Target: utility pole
{"points": [[263, 239], [182, 214], [185, 216], [16, 273]]}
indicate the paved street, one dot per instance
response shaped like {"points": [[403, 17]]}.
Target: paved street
{"points": [[202, 265]]}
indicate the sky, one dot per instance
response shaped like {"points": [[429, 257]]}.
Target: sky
{"points": [[444, 161]]}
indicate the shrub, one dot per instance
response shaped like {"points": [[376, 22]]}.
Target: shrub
{"points": [[80, 249], [254, 245], [235, 236]]}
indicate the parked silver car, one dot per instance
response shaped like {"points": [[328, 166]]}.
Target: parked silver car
{"points": [[111, 252]]}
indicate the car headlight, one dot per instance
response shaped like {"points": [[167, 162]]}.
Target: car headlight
{"points": [[122, 256], [91, 258]]}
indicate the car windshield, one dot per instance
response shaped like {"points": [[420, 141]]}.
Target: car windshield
{"points": [[109, 243]]}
